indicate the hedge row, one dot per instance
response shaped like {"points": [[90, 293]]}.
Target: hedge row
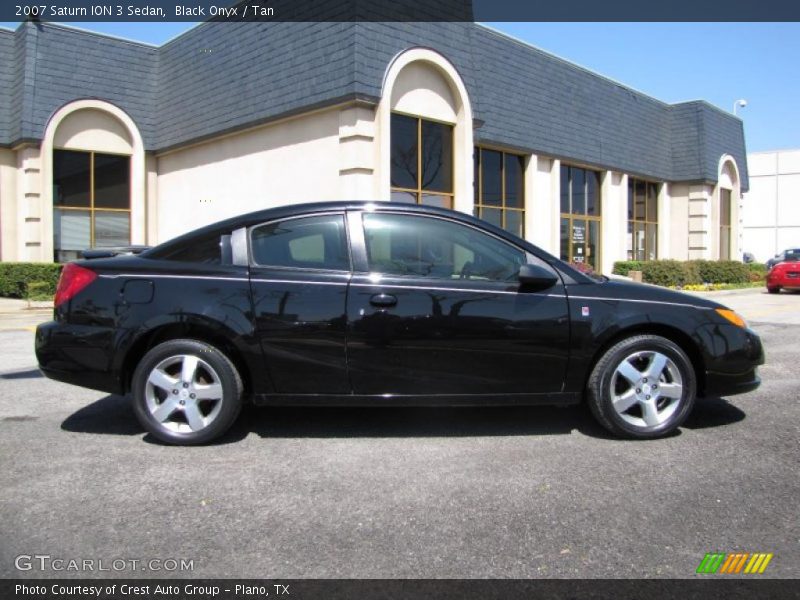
{"points": [[19, 280], [691, 272]]}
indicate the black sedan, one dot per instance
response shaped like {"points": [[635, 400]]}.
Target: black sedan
{"points": [[379, 304]]}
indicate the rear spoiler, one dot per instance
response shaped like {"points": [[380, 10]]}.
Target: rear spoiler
{"points": [[109, 252]]}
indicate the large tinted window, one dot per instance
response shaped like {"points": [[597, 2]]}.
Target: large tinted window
{"points": [[499, 189], [642, 220], [422, 161], [429, 247], [580, 216], [91, 202], [304, 243]]}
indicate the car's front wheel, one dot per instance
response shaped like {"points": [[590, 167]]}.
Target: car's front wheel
{"points": [[773, 290], [642, 387], [186, 392]]}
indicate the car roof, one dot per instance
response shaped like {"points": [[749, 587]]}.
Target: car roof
{"points": [[310, 208]]}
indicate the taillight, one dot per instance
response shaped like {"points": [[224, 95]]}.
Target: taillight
{"points": [[73, 279]]}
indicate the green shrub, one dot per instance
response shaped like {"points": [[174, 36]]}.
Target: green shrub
{"points": [[40, 290], [758, 271], [722, 271], [623, 267], [666, 273], [692, 272], [16, 277]]}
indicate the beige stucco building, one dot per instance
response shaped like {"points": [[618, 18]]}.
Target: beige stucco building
{"points": [[147, 143]]}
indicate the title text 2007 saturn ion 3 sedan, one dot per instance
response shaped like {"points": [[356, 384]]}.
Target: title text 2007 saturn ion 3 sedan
{"points": [[381, 304]]}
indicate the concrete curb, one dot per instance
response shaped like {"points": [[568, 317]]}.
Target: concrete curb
{"points": [[741, 292]]}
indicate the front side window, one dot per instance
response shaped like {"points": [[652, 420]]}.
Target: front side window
{"points": [[642, 220], [437, 248], [91, 202], [421, 161], [500, 190], [724, 224], [304, 243], [580, 216]]}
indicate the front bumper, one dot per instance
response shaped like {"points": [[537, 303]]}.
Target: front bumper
{"points": [[734, 355]]}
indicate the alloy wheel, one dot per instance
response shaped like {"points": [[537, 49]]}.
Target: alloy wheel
{"points": [[646, 389], [184, 393]]}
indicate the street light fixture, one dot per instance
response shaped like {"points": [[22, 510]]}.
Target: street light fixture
{"points": [[741, 103]]}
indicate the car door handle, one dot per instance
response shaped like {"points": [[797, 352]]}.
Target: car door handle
{"points": [[383, 300]]}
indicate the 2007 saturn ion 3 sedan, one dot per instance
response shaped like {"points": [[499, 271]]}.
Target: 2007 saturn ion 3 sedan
{"points": [[379, 304]]}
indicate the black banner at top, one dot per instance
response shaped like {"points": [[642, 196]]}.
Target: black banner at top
{"points": [[399, 10]]}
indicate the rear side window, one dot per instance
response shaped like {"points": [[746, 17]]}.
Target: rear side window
{"points": [[207, 250], [305, 243]]}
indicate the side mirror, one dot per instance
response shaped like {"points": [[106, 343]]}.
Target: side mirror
{"points": [[536, 276]]}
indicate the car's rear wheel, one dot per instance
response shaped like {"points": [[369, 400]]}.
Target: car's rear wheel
{"points": [[773, 290], [642, 387], [186, 392]]}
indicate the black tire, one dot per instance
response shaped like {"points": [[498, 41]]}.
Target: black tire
{"points": [[773, 290], [625, 423], [213, 370]]}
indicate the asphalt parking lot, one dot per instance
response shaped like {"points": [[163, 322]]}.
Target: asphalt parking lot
{"points": [[298, 493]]}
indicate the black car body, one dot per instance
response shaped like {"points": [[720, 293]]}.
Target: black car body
{"points": [[381, 304]]}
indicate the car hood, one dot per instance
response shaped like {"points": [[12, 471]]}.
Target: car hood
{"points": [[630, 290]]}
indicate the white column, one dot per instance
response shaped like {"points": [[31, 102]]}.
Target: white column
{"points": [[357, 153], [700, 222], [8, 205], [541, 204], [614, 220], [34, 244], [151, 200], [555, 203]]}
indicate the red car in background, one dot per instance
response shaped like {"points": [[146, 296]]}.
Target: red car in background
{"points": [[784, 275]]}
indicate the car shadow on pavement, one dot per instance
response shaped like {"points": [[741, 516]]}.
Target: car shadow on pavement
{"points": [[114, 415], [345, 422], [28, 374], [713, 412]]}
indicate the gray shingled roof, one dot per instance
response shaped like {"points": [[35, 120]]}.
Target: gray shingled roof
{"points": [[219, 77], [7, 76]]}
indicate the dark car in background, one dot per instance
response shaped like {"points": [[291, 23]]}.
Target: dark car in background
{"points": [[788, 254], [379, 304]]}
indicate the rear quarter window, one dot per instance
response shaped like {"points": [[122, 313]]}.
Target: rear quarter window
{"points": [[207, 250]]}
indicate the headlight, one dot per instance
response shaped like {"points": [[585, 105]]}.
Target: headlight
{"points": [[732, 316]]}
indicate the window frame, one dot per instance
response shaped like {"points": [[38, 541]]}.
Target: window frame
{"points": [[478, 203], [573, 216], [91, 209], [251, 260], [632, 221], [419, 191]]}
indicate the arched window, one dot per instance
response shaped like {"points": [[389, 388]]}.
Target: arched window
{"points": [[93, 163], [426, 132]]}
